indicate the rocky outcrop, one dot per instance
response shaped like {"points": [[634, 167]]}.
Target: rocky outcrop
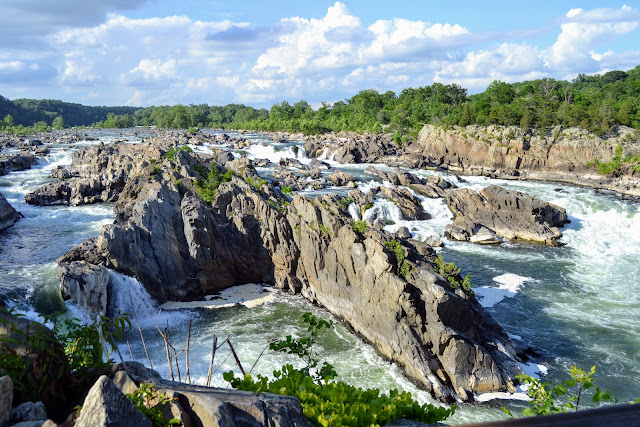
{"points": [[96, 174], [86, 284], [561, 154], [409, 206], [205, 406], [432, 186], [17, 162], [495, 211], [181, 248], [8, 215]]}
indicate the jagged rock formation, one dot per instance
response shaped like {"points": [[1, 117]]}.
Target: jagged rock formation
{"points": [[17, 162], [181, 248], [8, 215], [496, 211], [96, 174]]}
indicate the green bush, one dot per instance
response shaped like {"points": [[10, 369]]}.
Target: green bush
{"points": [[360, 227], [333, 403], [403, 267], [150, 402], [345, 202], [286, 190], [452, 274], [173, 151], [546, 400], [206, 188]]}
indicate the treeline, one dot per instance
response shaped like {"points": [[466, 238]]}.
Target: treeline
{"points": [[29, 112], [597, 103]]}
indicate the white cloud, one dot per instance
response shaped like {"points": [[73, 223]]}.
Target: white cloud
{"points": [[113, 59], [583, 31]]}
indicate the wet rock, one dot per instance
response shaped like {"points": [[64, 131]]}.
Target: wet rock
{"points": [[315, 163], [106, 405], [6, 399], [495, 211], [341, 179], [410, 207], [8, 215], [16, 162], [403, 233], [86, 285]]}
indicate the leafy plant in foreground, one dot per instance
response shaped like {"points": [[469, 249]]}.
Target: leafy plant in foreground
{"points": [[150, 402], [546, 400], [452, 274], [207, 187], [333, 403]]}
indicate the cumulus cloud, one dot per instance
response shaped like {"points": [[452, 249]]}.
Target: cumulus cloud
{"points": [[583, 31], [96, 55], [22, 22]]}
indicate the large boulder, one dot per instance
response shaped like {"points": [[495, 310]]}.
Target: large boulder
{"points": [[480, 216], [8, 215], [17, 162], [208, 406], [6, 399], [107, 406], [86, 285]]}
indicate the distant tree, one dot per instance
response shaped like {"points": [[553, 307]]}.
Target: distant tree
{"points": [[8, 120], [58, 123]]}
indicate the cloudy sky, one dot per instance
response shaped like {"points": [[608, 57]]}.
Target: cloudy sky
{"points": [[153, 52]]}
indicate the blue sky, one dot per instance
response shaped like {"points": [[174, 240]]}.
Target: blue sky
{"points": [[154, 52]]}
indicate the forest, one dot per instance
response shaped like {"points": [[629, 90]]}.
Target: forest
{"points": [[597, 103]]}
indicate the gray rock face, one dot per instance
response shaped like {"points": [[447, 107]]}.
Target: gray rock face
{"points": [[432, 187], [207, 406], [496, 211], [86, 284], [409, 206], [6, 399], [106, 405], [181, 248], [29, 411], [8, 215], [17, 162], [96, 174]]}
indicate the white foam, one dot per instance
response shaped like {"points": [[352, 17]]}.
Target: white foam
{"points": [[250, 295], [509, 287]]}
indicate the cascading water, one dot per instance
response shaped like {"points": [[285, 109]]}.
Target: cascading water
{"points": [[575, 304]]}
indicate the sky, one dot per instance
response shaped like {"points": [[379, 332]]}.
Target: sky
{"points": [[167, 52]]}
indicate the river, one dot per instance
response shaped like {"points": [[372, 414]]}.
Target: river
{"points": [[575, 305]]}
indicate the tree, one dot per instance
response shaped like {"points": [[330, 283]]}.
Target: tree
{"points": [[58, 123], [8, 120]]}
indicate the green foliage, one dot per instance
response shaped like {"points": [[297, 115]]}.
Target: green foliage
{"points": [[324, 231], [360, 227], [207, 187], [403, 267], [58, 123], [452, 274], [88, 347], [614, 166], [333, 403], [547, 399], [173, 151], [345, 202], [150, 402], [255, 183], [287, 190]]}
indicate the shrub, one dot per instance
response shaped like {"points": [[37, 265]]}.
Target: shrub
{"points": [[452, 274], [345, 202], [171, 152], [287, 190], [150, 402], [207, 188], [333, 403], [360, 227]]}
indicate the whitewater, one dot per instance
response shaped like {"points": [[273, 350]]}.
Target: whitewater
{"points": [[575, 305]]}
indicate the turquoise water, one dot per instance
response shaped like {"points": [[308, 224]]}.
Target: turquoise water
{"points": [[577, 304]]}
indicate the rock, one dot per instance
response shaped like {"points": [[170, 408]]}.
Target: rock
{"points": [[410, 207], [8, 215], [29, 411], [225, 157], [318, 164], [341, 179], [432, 187], [124, 382], [208, 406], [106, 405], [181, 248], [16, 162], [403, 233], [97, 174], [6, 399], [86, 285], [43, 354], [495, 211]]}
